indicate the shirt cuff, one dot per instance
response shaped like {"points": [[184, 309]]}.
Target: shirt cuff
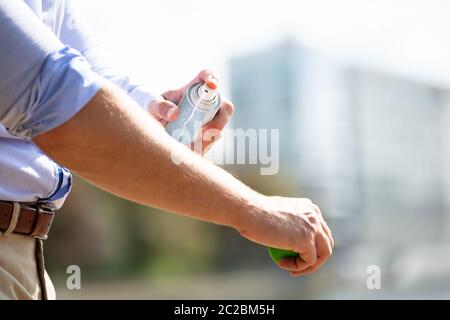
{"points": [[142, 95], [65, 84]]}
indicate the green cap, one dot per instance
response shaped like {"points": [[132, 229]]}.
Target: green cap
{"points": [[278, 254]]}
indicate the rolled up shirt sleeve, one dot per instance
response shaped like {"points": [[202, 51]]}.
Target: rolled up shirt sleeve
{"points": [[75, 33], [43, 82]]}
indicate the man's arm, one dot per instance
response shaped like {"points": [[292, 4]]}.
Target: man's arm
{"points": [[117, 146]]}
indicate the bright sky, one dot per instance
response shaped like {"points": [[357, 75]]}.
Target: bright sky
{"points": [[167, 41]]}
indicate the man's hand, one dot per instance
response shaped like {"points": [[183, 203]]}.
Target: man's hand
{"points": [[294, 224], [164, 109]]}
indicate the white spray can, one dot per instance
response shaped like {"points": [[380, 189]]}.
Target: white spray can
{"points": [[198, 106]]}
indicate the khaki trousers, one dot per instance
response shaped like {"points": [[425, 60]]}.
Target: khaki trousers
{"points": [[22, 271]]}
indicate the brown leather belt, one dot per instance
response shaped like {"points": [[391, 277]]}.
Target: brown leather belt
{"points": [[33, 220]]}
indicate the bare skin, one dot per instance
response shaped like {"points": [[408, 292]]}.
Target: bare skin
{"points": [[115, 145]]}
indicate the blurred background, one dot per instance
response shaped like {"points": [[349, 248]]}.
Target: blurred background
{"points": [[360, 93]]}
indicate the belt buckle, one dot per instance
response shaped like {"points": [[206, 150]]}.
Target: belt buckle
{"points": [[40, 211]]}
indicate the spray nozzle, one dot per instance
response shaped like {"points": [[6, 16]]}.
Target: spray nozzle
{"points": [[207, 92]]}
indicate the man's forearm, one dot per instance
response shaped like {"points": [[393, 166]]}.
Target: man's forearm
{"points": [[117, 146]]}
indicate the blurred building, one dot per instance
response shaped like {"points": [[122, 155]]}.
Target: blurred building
{"points": [[368, 147], [308, 98]]}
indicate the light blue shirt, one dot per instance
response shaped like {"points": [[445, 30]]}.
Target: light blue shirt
{"points": [[50, 67]]}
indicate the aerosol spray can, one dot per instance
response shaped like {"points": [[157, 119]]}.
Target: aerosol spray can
{"points": [[198, 106]]}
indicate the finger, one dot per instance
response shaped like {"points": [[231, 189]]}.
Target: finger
{"points": [[303, 261], [208, 138], [208, 145], [159, 119], [293, 264], [174, 95], [311, 269], [328, 232], [208, 77], [203, 76], [310, 255], [323, 244], [164, 109], [323, 253], [222, 117], [325, 226]]}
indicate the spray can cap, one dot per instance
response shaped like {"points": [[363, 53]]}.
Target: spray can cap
{"points": [[207, 93]]}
